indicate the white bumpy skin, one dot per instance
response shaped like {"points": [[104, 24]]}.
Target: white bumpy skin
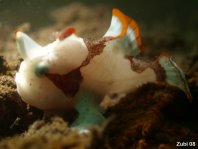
{"points": [[58, 57], [110, 72], [67, 55]]}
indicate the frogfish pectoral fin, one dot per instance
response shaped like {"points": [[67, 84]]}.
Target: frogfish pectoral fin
{"points": [[90, 112]]}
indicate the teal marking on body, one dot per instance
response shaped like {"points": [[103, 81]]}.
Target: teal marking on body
{"points": [[41, 69]]}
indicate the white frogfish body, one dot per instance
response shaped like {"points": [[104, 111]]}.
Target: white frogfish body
{"points": [[56, 76]]}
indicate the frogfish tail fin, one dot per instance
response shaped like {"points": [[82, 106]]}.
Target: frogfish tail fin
{"points": [[174, 74]]}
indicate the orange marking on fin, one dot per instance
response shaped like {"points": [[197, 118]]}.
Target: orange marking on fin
{"points": [[124, 20], [135, 28], [67, 32]]}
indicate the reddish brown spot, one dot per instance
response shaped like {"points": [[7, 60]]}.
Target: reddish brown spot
{"points": [[67, 32], [139, 66], [94, 48], [68, 83]]}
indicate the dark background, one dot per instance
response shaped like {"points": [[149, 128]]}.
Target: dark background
{"points": [[185, 13]]}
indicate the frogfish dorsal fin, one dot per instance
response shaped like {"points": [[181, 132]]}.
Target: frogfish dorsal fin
{"points": [[124, 33]]}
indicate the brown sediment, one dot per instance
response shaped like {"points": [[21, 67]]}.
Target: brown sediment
{"points": [[153, 116], [15, 116], [54, 134]]}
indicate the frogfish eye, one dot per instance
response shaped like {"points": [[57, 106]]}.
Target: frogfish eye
{"points": [[41, 69]]}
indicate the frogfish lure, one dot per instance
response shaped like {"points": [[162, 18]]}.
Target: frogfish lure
{"points": [[73, 72]]}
